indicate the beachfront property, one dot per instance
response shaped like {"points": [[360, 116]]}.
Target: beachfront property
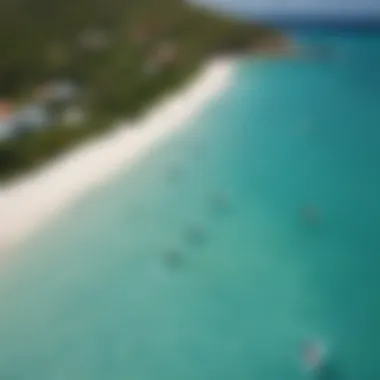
{"points": [[5, 127], [224, 229], [63, 91], [156, 46], [53, 103], [62, 99], [30, 118], [5, 119]]}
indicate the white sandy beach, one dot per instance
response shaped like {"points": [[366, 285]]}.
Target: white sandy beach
{"points": [[28, 203]]}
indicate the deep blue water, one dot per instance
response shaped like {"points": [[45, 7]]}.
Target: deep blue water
{"points": [[252, 228]]}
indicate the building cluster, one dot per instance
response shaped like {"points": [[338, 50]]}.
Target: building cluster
{"points": [[55, 103]]}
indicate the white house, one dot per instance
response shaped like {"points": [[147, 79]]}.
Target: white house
{"points": [[63, 91], [6, 122], [6, 128], [30, 117]]}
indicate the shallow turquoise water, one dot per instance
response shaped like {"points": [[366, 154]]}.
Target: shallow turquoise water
{"points": [[93, 296]]}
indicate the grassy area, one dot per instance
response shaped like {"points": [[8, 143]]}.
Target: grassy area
{"points": [[41, 40]]}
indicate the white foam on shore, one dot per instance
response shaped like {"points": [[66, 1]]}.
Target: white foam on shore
{"points": [[29, 203]]}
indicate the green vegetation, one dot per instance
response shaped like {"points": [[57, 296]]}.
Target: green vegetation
{"points": [[105, 47]]}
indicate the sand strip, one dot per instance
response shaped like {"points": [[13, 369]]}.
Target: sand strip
{"points": [[28, 203]]}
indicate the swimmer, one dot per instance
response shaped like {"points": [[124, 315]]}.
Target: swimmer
{"points": [[173, 258], [220, 203], [313, 355], [310, 214], [196, 234]]}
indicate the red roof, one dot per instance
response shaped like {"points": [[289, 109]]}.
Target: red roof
{"points": [[5, 108]]}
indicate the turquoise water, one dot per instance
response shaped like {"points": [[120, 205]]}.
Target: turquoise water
{"points": [[292, 149]]}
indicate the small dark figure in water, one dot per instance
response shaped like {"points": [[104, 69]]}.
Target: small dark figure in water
{"points": [[312, 356], [220, 204], [317, 361], [196, 235], [310, 215], [173, 258]]}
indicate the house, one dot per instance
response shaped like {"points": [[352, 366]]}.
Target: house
{"points": [[5, 108], [57, 95], [61, 91], [6, 122], [6, 128], [29, 118]]}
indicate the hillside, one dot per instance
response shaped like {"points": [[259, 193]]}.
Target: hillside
{"points": [[122, 55]]}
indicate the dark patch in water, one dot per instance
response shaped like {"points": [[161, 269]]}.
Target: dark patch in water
{"points": [[219, 204], [173, 258], [196, 235], [329, 372], [310, 215]]}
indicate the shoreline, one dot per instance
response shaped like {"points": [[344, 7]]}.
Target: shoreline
{"points": [[27, 203]]}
